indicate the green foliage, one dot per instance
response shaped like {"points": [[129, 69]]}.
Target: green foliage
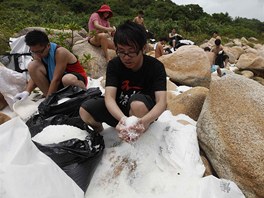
{"points": [[160, 17], [86, 62], [222, 18], [86, 58], [59, 38], [72, 26]]}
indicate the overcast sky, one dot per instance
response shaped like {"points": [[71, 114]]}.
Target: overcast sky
{"points": [[242, 8]]}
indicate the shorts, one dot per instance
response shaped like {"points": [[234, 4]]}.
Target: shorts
{"points": [[78, 75], [96, 107], [214, 68]]}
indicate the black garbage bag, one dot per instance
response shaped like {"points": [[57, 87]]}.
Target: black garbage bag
{"points": [[77, 158], [75, 96]]}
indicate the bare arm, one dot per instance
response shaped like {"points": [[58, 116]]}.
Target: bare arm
{"points": [[30, 86], [102, 28], [110, 102], [159, 51], [157, 110], [143, 123], [171, 35]]}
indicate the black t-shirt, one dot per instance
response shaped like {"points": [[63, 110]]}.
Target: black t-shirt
{"points": [[149, 78]]}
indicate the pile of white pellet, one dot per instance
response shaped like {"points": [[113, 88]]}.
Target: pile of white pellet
{"points": [[53, 134]]}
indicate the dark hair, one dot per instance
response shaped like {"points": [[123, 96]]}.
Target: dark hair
{"points": [[207, 49], [36, 37], [215, 32], [131, 34], [141, 12], [101, 14], [163, 39], [225, 56], [217, 42]]}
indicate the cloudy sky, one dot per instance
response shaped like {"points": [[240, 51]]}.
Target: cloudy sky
{"points": [[242, 8]]}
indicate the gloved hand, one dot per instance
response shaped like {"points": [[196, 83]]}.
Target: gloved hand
{"points": [[21, 96]]}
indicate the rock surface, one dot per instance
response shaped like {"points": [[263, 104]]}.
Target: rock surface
{"points": [[231, 132]]}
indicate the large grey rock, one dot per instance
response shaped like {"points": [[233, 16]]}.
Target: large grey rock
{"points": [[231, 132], [234, 53], [189, 65], [189, 102], [250, 61], [96, 65]]}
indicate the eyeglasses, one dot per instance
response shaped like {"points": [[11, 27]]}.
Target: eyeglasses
{"points": [[39, 51], [129, 54]]}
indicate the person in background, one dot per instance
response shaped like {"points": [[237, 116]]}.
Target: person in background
{"points": [[135, 86], [100, 31], [53, 67], [215, 67], [216, 35], [211, 57], [218, 51], [139, 19], [159, 47], [211, 42], [174, 37]]}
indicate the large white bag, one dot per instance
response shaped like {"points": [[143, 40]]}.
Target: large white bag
{"points": [[21, 51], [11, 83], [213, 187], [27, 172]]}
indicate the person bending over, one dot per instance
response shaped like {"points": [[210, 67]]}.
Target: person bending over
{"points": [[135, 86], [100, 30], [52, 68]]}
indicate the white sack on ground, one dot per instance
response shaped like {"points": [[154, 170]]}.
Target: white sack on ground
{"points": [[27, 172], [163, 163], [11, 83], [152, 166], [213, 187]]}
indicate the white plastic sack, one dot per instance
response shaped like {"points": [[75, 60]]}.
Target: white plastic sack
{"points": [[157, 165], [182, 149], [163, 163], [11, 83], [18, 45], [27, 172], [25, 109], [213, 187]]}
